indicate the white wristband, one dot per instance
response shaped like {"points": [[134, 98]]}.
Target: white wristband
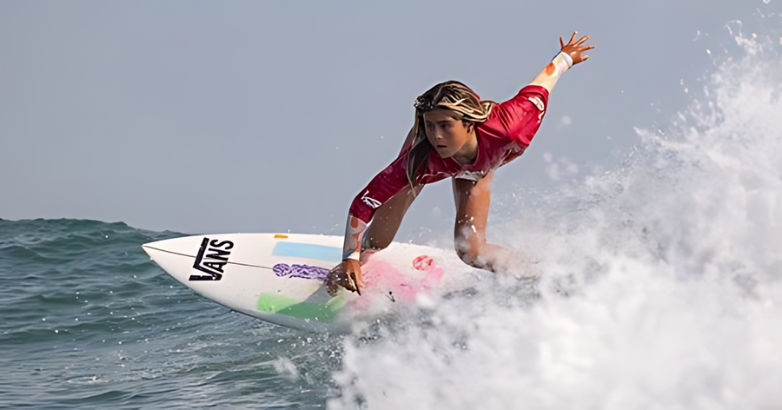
{"points": [[355, 256], [567, 59]]}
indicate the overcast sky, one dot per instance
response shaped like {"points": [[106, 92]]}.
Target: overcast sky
{"points": [[266, 116]]}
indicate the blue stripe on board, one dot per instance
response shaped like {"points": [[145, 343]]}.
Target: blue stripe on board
{"points": [[308, 250]]}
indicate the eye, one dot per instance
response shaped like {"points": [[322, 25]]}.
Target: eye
{"points": [[429, 125]]}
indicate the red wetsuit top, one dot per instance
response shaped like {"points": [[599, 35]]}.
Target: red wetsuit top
{"points": [[501, 138]]}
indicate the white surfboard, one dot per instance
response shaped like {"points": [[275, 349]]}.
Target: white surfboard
{"points": [[279, 278]]}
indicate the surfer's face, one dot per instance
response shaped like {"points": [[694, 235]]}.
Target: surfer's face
{"points": [[449, 136]]}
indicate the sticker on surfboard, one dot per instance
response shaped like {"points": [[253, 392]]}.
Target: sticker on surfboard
{"points": [[211, 259]]}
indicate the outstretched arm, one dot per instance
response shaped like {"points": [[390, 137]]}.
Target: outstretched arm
{"points": [[569, 55]]}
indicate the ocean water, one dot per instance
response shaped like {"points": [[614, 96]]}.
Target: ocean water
{"points": [[90, 322], [660, 288]]}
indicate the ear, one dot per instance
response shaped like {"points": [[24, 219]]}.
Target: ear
{"points": [[469, 126]]}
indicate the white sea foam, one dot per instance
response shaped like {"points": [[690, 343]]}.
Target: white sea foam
{"points": [[661, 280]]}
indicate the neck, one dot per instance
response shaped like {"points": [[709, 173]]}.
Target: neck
{"points": [[469, 151]]}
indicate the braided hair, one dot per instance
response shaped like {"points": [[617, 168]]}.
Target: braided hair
{"points": [[464, 105]]}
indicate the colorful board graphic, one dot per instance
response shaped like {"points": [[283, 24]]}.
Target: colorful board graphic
{"points": [[279, 278]]}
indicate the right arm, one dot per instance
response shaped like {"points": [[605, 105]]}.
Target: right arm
{"points": [[356, 226], [386, 184]]}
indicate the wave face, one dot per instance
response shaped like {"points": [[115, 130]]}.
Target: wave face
{"points": [[660, 279]]}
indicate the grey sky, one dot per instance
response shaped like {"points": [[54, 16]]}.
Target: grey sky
{"points": [[262, 116]]}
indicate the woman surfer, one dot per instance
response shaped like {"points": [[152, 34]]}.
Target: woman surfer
{"points": [[455, 135]]}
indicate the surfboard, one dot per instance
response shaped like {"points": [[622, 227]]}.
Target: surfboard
{"points": [[279, 278]]}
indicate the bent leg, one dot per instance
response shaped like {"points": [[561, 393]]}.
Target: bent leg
{"points": [[387, 219]]}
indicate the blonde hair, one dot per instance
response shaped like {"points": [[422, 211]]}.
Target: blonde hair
{"points": [[460, 100]]}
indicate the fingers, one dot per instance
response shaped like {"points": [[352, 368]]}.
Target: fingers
{"points": [[347, 275], [354, 283], [354, 273], [576, 46], [573, 40], [582, 49], [338, 277], [332, 281]]}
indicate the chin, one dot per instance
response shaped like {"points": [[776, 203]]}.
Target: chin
{"points": [[445, 154]]}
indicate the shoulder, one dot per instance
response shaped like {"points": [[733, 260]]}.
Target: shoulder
{"points": [[531, 97], [511, 117]]}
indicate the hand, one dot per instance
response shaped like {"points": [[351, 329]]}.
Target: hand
{"points": [[574, 48], [348, 275]]}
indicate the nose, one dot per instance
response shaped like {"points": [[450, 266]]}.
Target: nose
{"points": [[438, 134]]}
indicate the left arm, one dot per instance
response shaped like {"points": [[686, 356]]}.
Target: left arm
{"points": [[472, 211], [569, 55], [519, 118], [520, 122]]}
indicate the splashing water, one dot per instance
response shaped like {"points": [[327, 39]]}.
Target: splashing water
{"points": [[660, 281]]}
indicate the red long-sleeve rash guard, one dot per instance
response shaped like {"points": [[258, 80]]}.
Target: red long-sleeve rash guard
{"points": [[501, 138]]}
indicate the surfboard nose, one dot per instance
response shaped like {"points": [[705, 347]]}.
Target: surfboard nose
{"points": [[175, 256], [185, 246]]}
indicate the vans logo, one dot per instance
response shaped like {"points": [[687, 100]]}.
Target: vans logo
{"points": [[212, 258]]}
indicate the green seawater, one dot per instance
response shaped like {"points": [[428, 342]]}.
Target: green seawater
{"points": [[88, 321]]}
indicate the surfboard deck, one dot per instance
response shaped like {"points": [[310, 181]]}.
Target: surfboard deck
{"points": [[279, 278]]}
